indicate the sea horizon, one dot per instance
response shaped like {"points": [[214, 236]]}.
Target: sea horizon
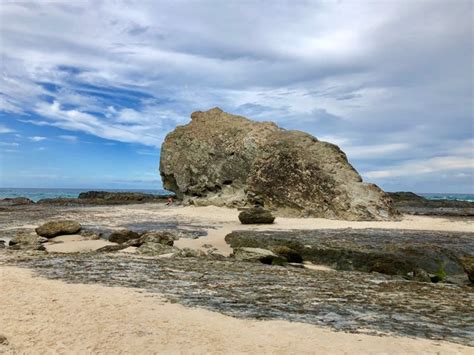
{"points": [[38, 193]]}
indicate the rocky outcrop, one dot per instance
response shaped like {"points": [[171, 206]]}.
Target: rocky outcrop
{"points": [[227, 160], [409, 253], [411, 203], [55, 228], [15, 201], [105, 198], [256, 215]]}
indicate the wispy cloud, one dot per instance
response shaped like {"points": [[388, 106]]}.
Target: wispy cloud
{"points": [[352, 73], [9, 144], [417, 167], [37, 138], [68, 138], [4, 129]]}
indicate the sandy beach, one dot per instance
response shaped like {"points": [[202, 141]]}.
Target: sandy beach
{"points": [[41, 316]]}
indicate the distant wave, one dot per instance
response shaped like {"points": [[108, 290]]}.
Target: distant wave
{"points": [[452, 197]]}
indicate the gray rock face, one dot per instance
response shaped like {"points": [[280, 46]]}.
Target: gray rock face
{"points": [[55, 228], [226, 160]]}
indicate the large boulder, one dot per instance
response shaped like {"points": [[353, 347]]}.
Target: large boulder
{"points": [[55, 228], [227, 160]]}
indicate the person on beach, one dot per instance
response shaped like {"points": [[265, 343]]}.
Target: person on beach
{"points": [[169, 202]]}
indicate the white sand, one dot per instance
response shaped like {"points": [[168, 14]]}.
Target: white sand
{"points": [[40, 316], [76, 246]]}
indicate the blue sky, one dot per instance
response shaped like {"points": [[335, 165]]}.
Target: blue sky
{"points": [[89, 89]]}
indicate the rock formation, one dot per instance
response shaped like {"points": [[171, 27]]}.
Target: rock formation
{"points": [[55, 228], [227, 160]]}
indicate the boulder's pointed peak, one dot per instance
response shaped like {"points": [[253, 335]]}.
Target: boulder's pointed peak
{"points": [[211, 112]]}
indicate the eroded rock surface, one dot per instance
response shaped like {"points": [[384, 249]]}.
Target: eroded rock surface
{"points": [[393, 252], [226, 160]]}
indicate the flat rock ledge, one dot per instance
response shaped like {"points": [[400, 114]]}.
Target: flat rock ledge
{"points": [[414, 255]]}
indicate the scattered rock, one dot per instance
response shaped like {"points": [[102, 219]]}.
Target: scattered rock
{"points": [[190, 253], [3, 340], [26, 239], [226, 160], [55, 228], [123, 236], [467, 263], [162, 237], [421, 275], [90, 235], [155, 249], [256, 215]]}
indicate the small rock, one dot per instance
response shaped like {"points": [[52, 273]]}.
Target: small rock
{"points": [[190, 253], [111, 248], [421, 275], [3, 340], [123, 236], [467, 263], [256, 215], [163, 237], [90, 235], [155, 249], [55, 228]]}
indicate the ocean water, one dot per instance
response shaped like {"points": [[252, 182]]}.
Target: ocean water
{"points": [[440, 196], [38, 194]]}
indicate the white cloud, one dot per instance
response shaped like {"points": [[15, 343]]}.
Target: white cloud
{"points": [[418, 167], [351, 73], [375, 151], [37, 138], [68, 138], [4, 129], [85, 122]]}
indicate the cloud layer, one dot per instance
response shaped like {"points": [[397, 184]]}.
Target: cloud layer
{"points": [[391, 82]]}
